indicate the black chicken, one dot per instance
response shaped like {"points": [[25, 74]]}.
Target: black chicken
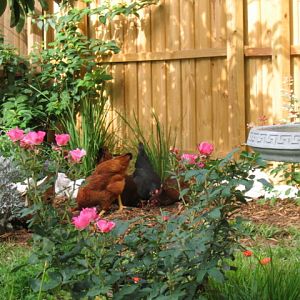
{"points": [[147, 181]]}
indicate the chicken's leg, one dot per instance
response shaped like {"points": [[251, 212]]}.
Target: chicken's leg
{"points": [[121, 206]]}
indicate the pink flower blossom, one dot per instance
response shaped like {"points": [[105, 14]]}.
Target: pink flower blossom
{"points": [[189, 158], [201, 165], [81, 222], [77, 154], [62, 139], [90, 212], [105, 226], [15, 134], [205, 148], [33, 138], [165, 218], [86, 216]]}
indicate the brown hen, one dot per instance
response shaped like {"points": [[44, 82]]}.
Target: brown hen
{"points": [[105, 185]]}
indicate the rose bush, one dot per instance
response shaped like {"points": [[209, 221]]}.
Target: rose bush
{"points": [[170, 256], [39, 164]]}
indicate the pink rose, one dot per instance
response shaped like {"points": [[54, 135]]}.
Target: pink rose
{"points": [[105, 226], [205, 148], [90, 212], [189, 158], [33, 138], [86, 216], [15, 134], [165, 218], [81, 222], [201, 165], [62, 139], [77, 154]]}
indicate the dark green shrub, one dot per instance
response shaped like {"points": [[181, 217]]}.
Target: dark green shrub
{"points": [[168, 257]]}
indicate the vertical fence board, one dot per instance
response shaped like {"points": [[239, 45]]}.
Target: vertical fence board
{"points": [[158, 69], [144, 70], [219, 79], [296, 41], [204, 111], [281, 54], [188, 76], [235, 69], [254, 101], [174, 105], [130, 70]]}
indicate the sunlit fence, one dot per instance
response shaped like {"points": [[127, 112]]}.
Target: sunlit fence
{"points": [[206, 67]]}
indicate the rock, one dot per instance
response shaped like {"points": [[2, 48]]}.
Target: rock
{"points": [[282, 192]]}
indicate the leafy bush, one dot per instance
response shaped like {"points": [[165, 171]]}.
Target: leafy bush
{"points": [[10, 200], [20, 105], [170, 256]]}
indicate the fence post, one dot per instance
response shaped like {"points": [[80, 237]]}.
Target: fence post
{"points": [[235, 69], [281, 58]]}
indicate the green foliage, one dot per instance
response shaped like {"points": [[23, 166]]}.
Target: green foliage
{"points": [[288, 172], [92, 133], [157, 143], [278, 280], [20, 105], [12, 286], [217, 182], [173, 258], [19, 10]]}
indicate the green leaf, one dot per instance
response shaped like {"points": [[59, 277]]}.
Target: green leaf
{"points": [[126, 290], [216, 274], [201, 275], [53, 281], [183, 193], [3, 4], [44, 4], [296, 176], [265, 183], [191, 173], [21, 23], [15, 13], [95, 291], [215, 213], [30, 4]]}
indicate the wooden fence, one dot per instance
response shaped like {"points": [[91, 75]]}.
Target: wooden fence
{"points": [[206, 67]]}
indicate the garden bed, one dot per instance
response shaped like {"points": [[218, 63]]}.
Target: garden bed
{"points": [[282, 214]]}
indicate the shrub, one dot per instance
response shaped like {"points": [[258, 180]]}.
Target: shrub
{"points": [[10, 200], [166, 256]]}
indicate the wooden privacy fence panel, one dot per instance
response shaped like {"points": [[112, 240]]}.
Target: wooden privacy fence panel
{"points": [[206, 67]]}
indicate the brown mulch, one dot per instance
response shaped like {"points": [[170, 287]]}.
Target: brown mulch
{"points": [[20, 237], [283, 214]]}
